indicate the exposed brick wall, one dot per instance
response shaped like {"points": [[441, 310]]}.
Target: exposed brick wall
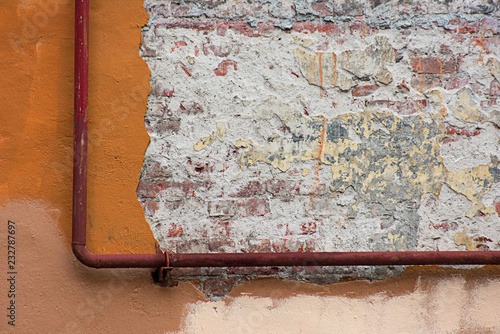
{"points": [[308, 125]]}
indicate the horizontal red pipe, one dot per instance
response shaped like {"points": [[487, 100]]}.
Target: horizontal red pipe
{"points": [[79, 235], [334, 259]]}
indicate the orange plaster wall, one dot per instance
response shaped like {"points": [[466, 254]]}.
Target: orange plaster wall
{"points": [[36, 124], [56, 294]]}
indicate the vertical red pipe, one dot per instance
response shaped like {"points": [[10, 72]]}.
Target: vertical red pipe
{"points": [[80, 148], [79, 233]]}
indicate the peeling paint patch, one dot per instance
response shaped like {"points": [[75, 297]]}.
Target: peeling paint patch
{"points": [[463, 239], [325, 69], [397, 158], [217, 134]]}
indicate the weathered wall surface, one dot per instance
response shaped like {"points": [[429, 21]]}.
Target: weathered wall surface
{"points": [[323, 126], [56, 294]]}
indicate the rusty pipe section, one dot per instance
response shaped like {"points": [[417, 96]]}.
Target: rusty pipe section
{"points": [[79, 235], [334, 259], [80, 145]]}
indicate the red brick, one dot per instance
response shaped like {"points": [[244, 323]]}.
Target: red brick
{"points": [[320, 8], [405, 107], [311, 27], [252, 207], [241, 271], [497, 208], [360, 26], [495, 87], [308, 246], [151, 189], [149, 207], [158, 10], [454, 131], [219, 245], [488, 44], [224, 209], [280, 246], [444, 226], [259, 246], [177, 45], [221, 70], [250, 189], [196, 25], [160, 91], [191, 108], [164, 126], [243, 28], [175, 230], [457, 39], [171, 205], [477, 88], [432, 65], [179, 10], [490, 24], [317, 189], [464, 27], [220, 228], [422, 83], [489, 103], [456, 82], [459, 62], [481, 243], [283, 188], [153, 170], [445, 49], [308, 228], [217, 50], [364, 90], [468, 28], [157, 108], [410, 107]]}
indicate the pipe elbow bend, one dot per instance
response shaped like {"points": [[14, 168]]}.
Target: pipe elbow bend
{"points": [[84, 256]]}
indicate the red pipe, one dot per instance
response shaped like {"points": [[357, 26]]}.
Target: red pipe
{"points": [[79, 235], [333, 259]]}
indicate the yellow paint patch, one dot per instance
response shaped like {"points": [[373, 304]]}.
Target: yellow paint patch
{"points": [[243, 143], [217, 134], [463, 239], [396, 239], [396, 159]]}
